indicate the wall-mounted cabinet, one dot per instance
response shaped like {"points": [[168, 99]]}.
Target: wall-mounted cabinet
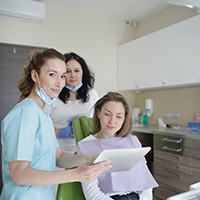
{"points": [[166, 58]]}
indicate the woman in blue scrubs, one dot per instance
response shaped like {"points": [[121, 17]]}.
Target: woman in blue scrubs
{"points": [[30, 151]]}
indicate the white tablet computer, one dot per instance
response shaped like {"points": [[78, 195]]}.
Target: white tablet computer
{"points": [[122, 159]]}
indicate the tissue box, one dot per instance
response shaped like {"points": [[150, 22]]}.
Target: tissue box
{"points": [[195, 126]]}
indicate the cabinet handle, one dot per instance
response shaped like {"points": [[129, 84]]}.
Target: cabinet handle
{"points": [[174, 141], [172, 149]]}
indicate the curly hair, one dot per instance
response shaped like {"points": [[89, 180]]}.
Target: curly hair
{"points": [[36, 59], [87, 80], [115, 97]]}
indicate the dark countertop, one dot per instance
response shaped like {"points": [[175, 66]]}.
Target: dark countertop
{"points": [[182, 131]]}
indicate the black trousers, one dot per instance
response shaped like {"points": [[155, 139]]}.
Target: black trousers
{"points": [[131, 196]]}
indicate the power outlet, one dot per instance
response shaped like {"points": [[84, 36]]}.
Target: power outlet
{"points": [[171, 115]]}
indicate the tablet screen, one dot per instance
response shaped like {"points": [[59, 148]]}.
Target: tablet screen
{"points": [[122, 159]]}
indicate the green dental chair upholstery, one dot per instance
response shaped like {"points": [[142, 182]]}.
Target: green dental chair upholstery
{"points": [[82, 127], [70, 191]]}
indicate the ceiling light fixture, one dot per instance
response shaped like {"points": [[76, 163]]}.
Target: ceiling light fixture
{"points": [[193, 4]]}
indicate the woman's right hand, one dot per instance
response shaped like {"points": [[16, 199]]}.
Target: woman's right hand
{"points": [[88, 172]]}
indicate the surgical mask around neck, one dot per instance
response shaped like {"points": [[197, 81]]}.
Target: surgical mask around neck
{"points": [[44, 97], [74, 89]]}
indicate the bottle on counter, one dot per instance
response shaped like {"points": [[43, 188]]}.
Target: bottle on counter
{"points": [[144, 119], [136, 116]]}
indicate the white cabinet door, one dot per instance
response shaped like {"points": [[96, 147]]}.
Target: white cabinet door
{"points": [[183, 52], [141, 63], [166, 58], [127, 77]]}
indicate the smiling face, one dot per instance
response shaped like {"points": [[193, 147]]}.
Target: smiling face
{"points": [[52, 77], [74, 73], [111, 117]]}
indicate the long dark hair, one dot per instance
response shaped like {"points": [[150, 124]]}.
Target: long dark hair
{"points": [[87, 80], [36, 59]]}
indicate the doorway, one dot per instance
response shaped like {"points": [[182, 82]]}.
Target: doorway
{"points": [[12, 60]]}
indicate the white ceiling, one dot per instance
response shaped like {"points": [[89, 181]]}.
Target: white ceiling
{"points": [[134, 10]]}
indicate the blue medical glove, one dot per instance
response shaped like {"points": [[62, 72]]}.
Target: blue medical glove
{"points": [[66, 132]]}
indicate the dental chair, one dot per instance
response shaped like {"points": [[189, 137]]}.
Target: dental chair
{"points": [[192, 194], [195, 186], [189, 195], [82, 127]]}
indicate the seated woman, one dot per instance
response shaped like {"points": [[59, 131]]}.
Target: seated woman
{"points": [[112, 130]]}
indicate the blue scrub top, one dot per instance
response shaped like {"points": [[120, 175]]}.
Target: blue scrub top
{"points": [[27, 135]]}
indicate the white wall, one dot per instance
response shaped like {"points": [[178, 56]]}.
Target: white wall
{"points": [[167, 17], [94, 38]]}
